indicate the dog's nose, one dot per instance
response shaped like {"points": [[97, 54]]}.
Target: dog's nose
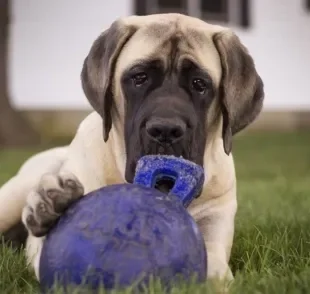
{"points": [[165, 130]]}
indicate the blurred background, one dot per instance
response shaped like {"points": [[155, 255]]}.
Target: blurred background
{"points": [[43, 44]]}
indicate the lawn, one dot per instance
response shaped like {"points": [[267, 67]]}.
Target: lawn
{"points": [[271, 252]]}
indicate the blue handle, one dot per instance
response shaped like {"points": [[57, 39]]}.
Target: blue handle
{"points": [[188, 177]]}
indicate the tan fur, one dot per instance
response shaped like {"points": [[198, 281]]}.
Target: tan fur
{"points": [[96, 163]]}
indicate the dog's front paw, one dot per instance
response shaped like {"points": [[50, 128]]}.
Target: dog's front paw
{"points": [[218, 269], [219, 274], [54, 194]]}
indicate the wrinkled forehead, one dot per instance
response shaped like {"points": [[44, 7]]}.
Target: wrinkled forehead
{"points": [[171, 43]]}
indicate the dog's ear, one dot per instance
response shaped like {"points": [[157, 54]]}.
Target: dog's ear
{"points": [[241, 90], [98, 70]]}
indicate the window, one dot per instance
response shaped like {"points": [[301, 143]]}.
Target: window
{"points": [[234, 12], [245, 13], [142, 7], [179, 6], [214, 10]]}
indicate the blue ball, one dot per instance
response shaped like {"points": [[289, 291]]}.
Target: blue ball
{"points": [[122, 233]]}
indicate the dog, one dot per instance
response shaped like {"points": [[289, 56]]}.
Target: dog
{"points": [[158, 84]]}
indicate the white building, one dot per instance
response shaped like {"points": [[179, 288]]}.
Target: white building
{"points": [[49, 40]]}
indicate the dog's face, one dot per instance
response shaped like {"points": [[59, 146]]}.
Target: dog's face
{"points": [[164, 109], [169, 80]]}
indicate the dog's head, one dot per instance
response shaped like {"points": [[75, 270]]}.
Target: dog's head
{"points": [[169, 80]]}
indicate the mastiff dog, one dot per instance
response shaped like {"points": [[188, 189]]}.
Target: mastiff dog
{"points": [[158, 84]]}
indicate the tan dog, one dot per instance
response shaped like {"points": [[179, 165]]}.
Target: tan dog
{"points": [[167, 84]]}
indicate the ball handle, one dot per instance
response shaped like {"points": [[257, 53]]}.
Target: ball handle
{"points": [[187, 178]]}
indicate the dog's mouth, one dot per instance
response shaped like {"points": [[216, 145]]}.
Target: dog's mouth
{"points": [[164, 184], [148, 147]]}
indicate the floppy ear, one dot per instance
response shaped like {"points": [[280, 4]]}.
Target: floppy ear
{"points": [[241, 90], [98, 70]]}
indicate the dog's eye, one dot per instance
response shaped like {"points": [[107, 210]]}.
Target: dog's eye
{"points": [[199, 85], [139, 79]]}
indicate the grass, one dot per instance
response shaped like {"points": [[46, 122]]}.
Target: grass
{"points": [[271, 252]]}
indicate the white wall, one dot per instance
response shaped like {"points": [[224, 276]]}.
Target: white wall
{"points": [[280, 45], [49, 40]]}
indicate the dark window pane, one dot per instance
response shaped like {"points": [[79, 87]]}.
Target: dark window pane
{"points": [[178, 6], [245, 13], [139, 7], [214, 6], [170, 4]]}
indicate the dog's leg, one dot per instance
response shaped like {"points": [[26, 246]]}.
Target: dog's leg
{"points": [[13, 193], [45, 204], [13, 196], [33, 253], [216, 222]]}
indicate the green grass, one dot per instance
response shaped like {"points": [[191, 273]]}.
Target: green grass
{"points": [[271, 252]]}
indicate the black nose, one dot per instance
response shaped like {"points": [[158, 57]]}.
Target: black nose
{"points": [[165, 130]]}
